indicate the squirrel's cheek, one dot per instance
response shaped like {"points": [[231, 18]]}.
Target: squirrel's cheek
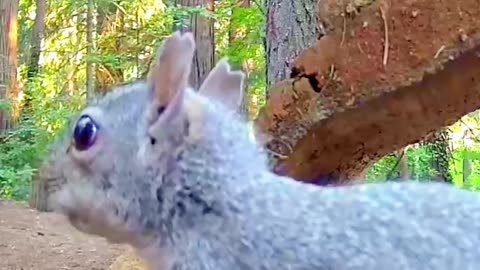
{"points": [[141, 154], [147, 155]]}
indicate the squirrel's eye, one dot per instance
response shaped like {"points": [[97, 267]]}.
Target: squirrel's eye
{"points": [[85, 133]]}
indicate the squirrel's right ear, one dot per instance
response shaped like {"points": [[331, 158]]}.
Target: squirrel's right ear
{"points": [[168, 79], [224, 85]]}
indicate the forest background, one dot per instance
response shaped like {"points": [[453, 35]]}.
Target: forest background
{"points": [[58, 54]]}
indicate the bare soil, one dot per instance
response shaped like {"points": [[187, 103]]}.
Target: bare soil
{"points": [[45, 241]]}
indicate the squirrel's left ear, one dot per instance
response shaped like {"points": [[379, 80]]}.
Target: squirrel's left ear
{"points": [[168, 80], [224, 85]]}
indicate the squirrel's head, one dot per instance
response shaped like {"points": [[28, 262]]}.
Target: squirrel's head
{"points": [[107, 172]]}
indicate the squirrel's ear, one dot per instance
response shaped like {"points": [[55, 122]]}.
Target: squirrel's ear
{"points": [[168, 78], [224, 85]]}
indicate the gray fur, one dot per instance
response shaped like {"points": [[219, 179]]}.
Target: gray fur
{"points": [[203, 198]]}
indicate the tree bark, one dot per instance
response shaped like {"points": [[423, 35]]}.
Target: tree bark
{"points": [[8, 59], [203, 31], [366, 88], [403, 164], [291, 27], [37, 37], [236, 36], [35, 48], [466, 167]]}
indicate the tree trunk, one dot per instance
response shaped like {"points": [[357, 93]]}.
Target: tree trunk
{"points": [[235, 36], [366, 88], [111, 17], [466, 166], [291, 27], [35, 48], [8, 59], [438, 145], [37, 37], [90, 37], [72, 78], [203, 31], [403, 164]]}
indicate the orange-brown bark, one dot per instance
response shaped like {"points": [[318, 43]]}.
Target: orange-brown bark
{"points": [[8, 62], [358, 93]]}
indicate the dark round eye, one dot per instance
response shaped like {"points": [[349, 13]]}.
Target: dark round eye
{"points": [[85, 133]]}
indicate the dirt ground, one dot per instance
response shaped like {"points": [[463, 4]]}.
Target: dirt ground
{"points": [[45, 241]]}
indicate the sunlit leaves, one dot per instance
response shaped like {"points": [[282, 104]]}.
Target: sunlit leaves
{"points": [[464, 162], [240, 34], [127, 34]]}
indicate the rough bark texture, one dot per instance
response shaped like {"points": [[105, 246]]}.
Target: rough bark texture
{"points": [[358, 94], [202, 28], [291, 27], [8, 57]]}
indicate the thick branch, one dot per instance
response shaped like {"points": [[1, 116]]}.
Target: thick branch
{"points": [[352, 103]]}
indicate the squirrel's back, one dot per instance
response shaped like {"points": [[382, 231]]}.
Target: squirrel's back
{"points": [[409, 225]]}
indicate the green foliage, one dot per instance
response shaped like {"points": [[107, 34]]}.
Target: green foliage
{"points": [[419, 160], [386, 166], [463, 159], [127, 35], [5, 105], [22, 148], [246, 50]]}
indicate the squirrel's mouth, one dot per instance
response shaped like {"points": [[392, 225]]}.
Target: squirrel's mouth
{"points": [[81, 204], [90, 211]]}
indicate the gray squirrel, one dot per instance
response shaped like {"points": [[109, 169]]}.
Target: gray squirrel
{"points": [[174, 173]]}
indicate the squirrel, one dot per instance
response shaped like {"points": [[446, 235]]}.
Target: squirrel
{"points": [[173, 172]]}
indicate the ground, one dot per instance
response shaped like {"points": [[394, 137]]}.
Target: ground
{"points": [[45, 241]]}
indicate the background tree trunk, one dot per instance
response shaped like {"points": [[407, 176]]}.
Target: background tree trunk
{"points": [[466, 166], [203, 31], [8, 59], [403, 164], [234, 36], [35, 48], [90, 46], [37, 37], [438, 145], [291, 27], [109, 18]]}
